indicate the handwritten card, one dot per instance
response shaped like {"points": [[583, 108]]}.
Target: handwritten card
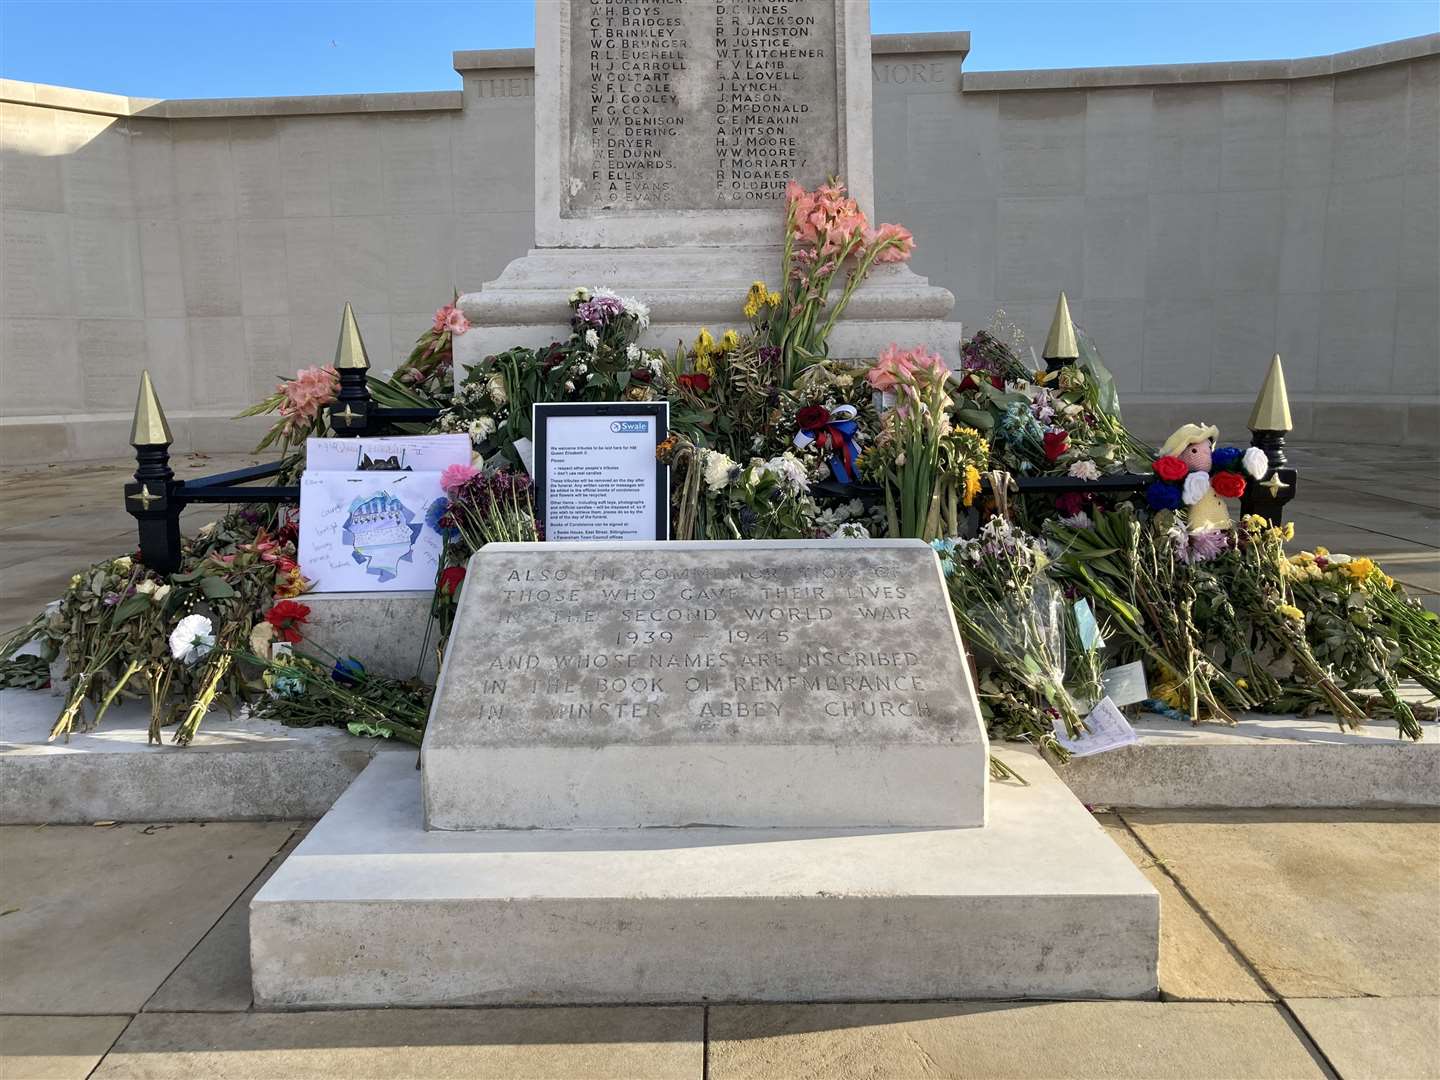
{"points": [[1125, 684], [367, 531], [390, 453], [1108, 730]]}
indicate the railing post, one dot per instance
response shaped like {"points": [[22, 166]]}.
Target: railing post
{"points": [[1061, 347], [1269, 424], [150, 499], [350, 415]]}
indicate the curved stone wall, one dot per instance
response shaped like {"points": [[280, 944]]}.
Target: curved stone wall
{"points": [[1200, 217]]}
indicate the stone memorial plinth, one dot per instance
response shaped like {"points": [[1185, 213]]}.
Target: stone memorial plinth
{"points": [[703, 772], [666, 131], [754, 683]]}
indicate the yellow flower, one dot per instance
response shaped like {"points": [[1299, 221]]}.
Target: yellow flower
{"points": [[704, 365], [1359, 569], [704, 343], [759, 296], [1289, 530], [1321, 551], [730, 341], [972, 484], [1291, 612]]}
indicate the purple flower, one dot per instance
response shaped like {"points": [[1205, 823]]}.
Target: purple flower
{"points": [[769, 354]]}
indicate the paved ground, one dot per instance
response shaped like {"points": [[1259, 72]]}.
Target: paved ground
{"points": [[1294, 944], [1365, 500]]}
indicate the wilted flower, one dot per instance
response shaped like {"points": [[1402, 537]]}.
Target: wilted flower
{"points": [[720, 470], [1085, 469]]}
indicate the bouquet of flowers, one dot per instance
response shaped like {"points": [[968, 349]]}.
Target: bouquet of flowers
{"points": [[825, 232], [1010, 614]]}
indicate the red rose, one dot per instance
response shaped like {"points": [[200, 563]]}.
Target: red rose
{"points": [[1071, 503], [450, 579], [1171, 468], [641, 374], [812, 416], [286, 617], [1056, 443], [1229, 484], [696, 382]]}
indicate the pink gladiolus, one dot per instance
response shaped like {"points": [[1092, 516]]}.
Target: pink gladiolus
{"points": [[456, 477], [897, 243], [456, 322], [305, 395], [442, 316], [905, 368]]}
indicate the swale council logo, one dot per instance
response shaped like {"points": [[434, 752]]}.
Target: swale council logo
{"points": [[628, 427]]}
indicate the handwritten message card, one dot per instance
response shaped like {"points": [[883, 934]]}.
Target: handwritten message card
{"points": [[390, 453]]}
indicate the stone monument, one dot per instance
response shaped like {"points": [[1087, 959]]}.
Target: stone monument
{"points": [[788, 683], [702, 771], [666, 131]]}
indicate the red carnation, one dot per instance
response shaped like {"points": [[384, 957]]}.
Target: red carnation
{"points": [[1171, 468], [1056, 443], [1229, 484], [286, 617], [696, 382], [450, 579], [812, 416]]}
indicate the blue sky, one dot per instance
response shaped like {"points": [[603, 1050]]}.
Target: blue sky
{"points": [[265, 48]]}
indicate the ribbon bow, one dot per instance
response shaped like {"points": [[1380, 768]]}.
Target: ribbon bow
{"points": [[832, 431]]}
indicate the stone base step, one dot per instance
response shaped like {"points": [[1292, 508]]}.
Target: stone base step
{"points": [[373, 910]]}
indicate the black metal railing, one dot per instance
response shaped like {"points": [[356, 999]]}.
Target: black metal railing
{"points": [[156, 498]]}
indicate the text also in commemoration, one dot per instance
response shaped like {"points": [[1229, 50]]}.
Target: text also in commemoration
{"points": [[699, 104]]}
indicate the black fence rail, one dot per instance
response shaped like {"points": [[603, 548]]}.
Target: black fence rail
{"points": [[155, 498]]}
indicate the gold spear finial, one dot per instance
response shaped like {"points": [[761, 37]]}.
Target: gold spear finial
{"points": [[1272, 407], [150, 427], [350, 349], [1061, 344]]}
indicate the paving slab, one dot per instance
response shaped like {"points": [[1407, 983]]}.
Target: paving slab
{"points": [[1011, 1040], [1196, 964], [55, 1047], [1375, 1038], [470, 1044], [105, 914], [1323, 903], [215, 976]]}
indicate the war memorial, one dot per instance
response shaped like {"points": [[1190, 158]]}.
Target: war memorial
{"points": [[704, 612]]}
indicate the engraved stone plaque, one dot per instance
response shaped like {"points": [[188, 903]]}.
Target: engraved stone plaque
{"points": [[690, 105], [780, 683]]}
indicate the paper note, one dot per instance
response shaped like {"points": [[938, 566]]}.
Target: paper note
{"points": [[526, 449], [1088, 628], [601, 478], [390, 453], [1108, 730], [367, 531], [1125, 684]]}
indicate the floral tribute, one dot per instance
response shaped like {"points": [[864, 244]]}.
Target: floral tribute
{"points": [[772, 438]]}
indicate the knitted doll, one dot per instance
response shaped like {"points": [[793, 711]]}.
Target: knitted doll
{"points": [[1194, 472]]}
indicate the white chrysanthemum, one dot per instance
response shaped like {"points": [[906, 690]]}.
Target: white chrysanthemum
{"points": [[851, 530], [192, 638], [1085, 469], [1255, 462], [636, 310], [579, 295], [632, 353], [1197, 486], [482, 429], [719, 468], [592, 339], [789, 470]]}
